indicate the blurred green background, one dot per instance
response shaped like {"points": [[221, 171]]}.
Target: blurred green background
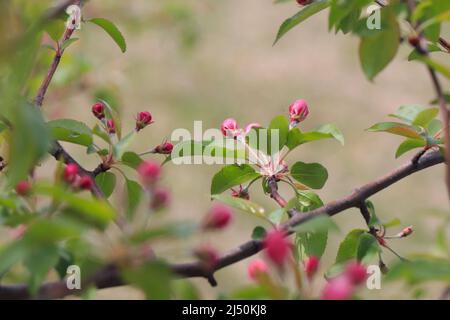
{"points": [[208, 60]]}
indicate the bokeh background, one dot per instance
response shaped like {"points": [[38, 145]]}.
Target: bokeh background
{"points": [[208, 60]]}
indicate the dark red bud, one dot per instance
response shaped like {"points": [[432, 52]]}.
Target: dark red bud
{"points": [[98, 110]]}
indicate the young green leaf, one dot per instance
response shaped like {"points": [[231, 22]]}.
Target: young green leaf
{"points": [[424, 118], [131, 159], [349, 246], [397, 128], [301, 16], [71, 131], [409, 144], [313, 175], [120, 147], [281, 124], [230, 176], [133, 193], [106, 182], [112, 30]]}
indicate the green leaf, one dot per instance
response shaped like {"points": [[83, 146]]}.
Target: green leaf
{"points": [[131, 159], [68, 42], [39, 262], [367, 246], [258, 233], [378, 49], [301, 16], [71, 131], [373, 221], [397, 128], [313, 175], [134, 193], [424, 118], [319, 223], [281, 124], [332, 130], [112, 30], [99, 132], [29, 144], [120, 147], [307, 200], [107, 182], [230, 176], [442, 69], [296, 137], [312, 236], [174, 230], [349, 246], [407, 113], [313, 243], [92, 211], [421, 270], [154, 278], [409, 144], [185, 290], [11, 254], [414, 55], [241, 204]]}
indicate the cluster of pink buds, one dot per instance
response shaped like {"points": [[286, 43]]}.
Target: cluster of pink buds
{"points": [[143, 119], [149, 173], [343, 286], [298, 111], [164, 148], [218, 217], [72, 178], [277, 247]]}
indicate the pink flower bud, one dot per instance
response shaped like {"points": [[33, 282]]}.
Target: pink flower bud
{"points": [[303, 2], [229, 128], [160, 199], [298, 111], [85, 183], [406, 232], [98, 110], [70, 172], [207, 256], [23, 188], [277, 246], [149, 172], [356, 272], [144, 118], [164, 148], [218, 217], [339, 288], [111, 126], [256, 268], [311, 266]]}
